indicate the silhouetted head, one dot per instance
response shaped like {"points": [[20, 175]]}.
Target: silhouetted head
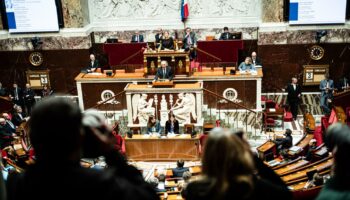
{"points": [[55, 130], [180, 163], [225, 29]]}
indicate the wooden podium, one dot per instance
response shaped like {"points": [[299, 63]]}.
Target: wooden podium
{"points": [[163, 84]]}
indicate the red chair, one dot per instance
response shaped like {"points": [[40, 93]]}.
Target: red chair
{"points": [[287, 116], [269, 123], [318, 135]]}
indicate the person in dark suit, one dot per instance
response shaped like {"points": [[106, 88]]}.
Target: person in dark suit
{"points": [[18, 117], [56, 135], [180, 169], [9, 126], [29, 99], [294, 94], [190, 42], [172, 125], [16, 95], [159, 35], [137, 37], [286, 142], [3, 91], [6, 136], [93, 64], [342, 84], [167, 41], [326, 87], [164, 72], [256, 61], [226, 35]]}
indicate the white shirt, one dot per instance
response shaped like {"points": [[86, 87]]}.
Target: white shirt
{"points": [[294, 86]]}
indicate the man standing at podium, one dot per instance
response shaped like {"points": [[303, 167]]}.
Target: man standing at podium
{"points": [[164, 72]]}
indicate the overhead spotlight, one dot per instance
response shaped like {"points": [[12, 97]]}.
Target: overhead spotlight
{"points": [[36, 42], [319, 35]]}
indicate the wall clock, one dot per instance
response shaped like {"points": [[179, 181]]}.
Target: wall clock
{"points": [[36, 59], [316, 52]]}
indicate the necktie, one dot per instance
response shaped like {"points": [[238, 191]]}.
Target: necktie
{"points": [[10, 123], [137, 38], [226, 35], [16, 94], [164, 72], [327, 85]]}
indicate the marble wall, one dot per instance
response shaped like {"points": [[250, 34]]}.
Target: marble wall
{"points": [[49, 43], [340, 35], [75, 13], [272, 11]]}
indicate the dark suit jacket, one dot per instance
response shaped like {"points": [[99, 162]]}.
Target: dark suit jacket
{"points": [[133, 38], [193, 39], [286, 142], [179, 171], [157, 36], [176, 127], [257, 61], [8, 128], [225, 36], [17, 120], [19, 92], [3, 92], [28, 95], [167, 43], [342, 83], [169, 73], [293, 94], [95, 65]]}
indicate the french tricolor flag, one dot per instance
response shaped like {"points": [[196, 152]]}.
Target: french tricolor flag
{"points": [[184, 10]]}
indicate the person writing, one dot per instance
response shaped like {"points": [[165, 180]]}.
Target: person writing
{"points": [[247, 66], [166, 41], [153, 126], [172, 125], [93, 64], [164, 72]]}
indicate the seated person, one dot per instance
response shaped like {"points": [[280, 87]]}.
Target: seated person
{"points": [[153, 125], [312, 148], [164, 72], [256, 61], [93, 64], [137, 37], [172, 125], [246, 66], [6, 136], [180, 169], [18, 117], [226, 35], [182, 185], [286, 142], [167, 41], [342, 84], [316, 180], [154, 182]]}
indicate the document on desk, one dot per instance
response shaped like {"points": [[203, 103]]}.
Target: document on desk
{"points": [[272, 109]]}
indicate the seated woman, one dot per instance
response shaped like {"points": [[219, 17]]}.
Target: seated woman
{"points": [[153, 125], [228, 172], [167, 41], [172, 125], [246, 65]]}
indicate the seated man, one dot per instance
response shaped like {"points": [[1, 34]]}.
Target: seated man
{"points": [[180, 169], [256, 61], [226, 35], [247, 66], [137, 37], [164, 72], [93, 64], [286, 142], [6, 136]]}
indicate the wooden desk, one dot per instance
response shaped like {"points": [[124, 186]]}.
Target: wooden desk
{"points": [[266, 148], [169, 172], [296, 174], [309, 123], [153, 148], [178, 60], [292, 166], [303, 143]]}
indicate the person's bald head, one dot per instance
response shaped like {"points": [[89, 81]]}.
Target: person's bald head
{"points": [[92, 57], [253, 54]]}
